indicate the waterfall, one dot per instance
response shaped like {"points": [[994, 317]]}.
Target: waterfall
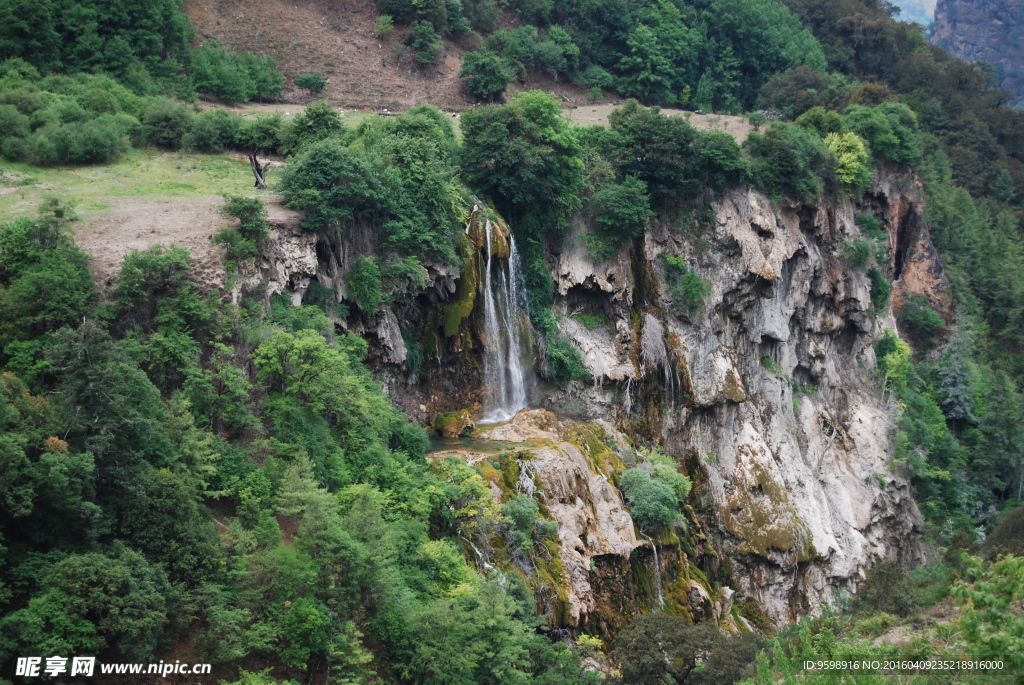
{"points": [[479, 555], [505, 371], [657, 571]]}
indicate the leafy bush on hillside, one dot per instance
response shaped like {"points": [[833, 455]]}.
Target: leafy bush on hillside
{"points": [[314, 83], [487, 74], [789, 163]]}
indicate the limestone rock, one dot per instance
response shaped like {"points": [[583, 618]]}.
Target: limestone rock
{"points": [[528, 424], [775, 380]]}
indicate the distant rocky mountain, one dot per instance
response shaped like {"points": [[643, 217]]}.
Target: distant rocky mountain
{"points": [[918, 11], [990, 30]]}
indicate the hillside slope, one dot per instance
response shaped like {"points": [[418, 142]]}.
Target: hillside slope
{"points": [[335, 38]]}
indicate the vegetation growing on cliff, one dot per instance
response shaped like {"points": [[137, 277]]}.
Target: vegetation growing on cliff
{"points": [[955, 611]]}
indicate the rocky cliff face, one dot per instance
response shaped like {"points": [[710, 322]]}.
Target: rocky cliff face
{"points": [[766, 394], [989, 30]]}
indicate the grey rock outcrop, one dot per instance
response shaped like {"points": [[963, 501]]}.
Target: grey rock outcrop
{"points": [[770, 388]]}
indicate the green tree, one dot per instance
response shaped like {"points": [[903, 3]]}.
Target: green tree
{"points": [[217, 72], [314, 83], [651, 502], [165, 123], [424, 41], [623, 209], [487, 74], [687, 288], [109, 604], [317, 122], [526, 156], [788, 162], [851, 159]]}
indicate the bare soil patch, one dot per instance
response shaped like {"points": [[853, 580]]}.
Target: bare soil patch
{"points": [[334, 38], [139, 223]]}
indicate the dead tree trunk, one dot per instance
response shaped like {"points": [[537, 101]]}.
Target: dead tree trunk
{"points": [[258, 171]]}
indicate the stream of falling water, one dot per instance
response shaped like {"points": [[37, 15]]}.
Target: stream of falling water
{"points": [[657, 572], [506, 372]]}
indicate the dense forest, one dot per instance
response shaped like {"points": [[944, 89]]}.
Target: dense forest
{"points": [[180, 473]]}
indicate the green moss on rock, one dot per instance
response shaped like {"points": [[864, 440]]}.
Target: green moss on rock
{"points": [[454, 425], [465, 290], [733, 387], [758, 512]]}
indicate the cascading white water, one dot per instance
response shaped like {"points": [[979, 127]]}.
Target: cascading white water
{"points": [[657, 572], [505, 371]]}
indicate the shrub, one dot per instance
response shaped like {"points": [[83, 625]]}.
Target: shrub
{"points": [[262, 133], [788, 162], [13, 123], [217, 72], [1007, 537], [244, 241], [93, 142], [424, 41], [397, 10], [317, 122], [565, 359], [314, 83], [822, 121], [521, 514], [487, 74], [623, 208], [921, 321], [99, 101], [889, 129], [859, 252], [884, 590], [718, 158], [679, 484], [795, 91], [658, 648], [651, 502], [364, 285], [596, 77], [851, 159], [212, 131], [165, 122], [687, 289], [893, 357], [384, 25], [601, 247], [732, 658], [881, 290]]}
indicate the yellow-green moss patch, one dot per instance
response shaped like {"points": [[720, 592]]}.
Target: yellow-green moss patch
{"points": [[454, 425], [758, 511]]}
